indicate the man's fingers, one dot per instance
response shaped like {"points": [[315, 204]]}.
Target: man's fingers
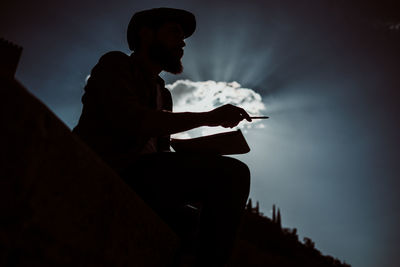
{"points": [[245, 114], [233, 115]]}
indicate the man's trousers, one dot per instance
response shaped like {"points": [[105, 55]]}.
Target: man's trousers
{"points": [[218, 185]]}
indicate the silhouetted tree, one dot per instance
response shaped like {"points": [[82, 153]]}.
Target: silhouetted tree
{"points": [[273, 213], [308, 243], [278, 220]]}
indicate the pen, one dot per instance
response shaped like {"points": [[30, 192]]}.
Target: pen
{"points": [[259, 117]]}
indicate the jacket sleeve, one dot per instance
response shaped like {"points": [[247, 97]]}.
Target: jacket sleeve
{"points": [[165, 141]]}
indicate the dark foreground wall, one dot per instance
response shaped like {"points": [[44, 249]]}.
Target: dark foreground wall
{"points": [[60, 205]]}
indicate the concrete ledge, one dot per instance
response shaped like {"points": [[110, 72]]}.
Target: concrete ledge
{"points": [[60, 204]]}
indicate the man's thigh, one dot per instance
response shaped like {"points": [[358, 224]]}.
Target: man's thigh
{"points": [[167, 181], [178, 177]]}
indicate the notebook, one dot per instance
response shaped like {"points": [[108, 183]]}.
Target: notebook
{"points": [[227, 143]]}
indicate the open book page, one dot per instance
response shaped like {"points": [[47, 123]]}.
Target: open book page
{"points": [[227, 143]]}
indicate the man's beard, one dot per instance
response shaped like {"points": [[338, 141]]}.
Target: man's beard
{"points": [[169, 61]]}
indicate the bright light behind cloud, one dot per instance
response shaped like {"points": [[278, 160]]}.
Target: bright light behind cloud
{"points": [[207, 95]]}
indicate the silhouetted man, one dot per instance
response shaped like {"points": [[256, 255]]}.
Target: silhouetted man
{"points": [[127, 119]]}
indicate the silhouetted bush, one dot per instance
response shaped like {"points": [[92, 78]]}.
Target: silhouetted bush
{"points": [[263, 242]]}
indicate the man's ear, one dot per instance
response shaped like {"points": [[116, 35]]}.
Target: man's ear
{"points": [[146, 35]]}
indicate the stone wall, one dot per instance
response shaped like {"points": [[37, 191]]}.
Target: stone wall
{"points": [[60, 204]]}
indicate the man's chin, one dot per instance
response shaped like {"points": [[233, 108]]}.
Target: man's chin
{"points": [[174, 68], [174, 71]]}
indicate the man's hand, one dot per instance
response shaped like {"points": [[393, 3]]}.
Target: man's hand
{"points": [[226, 116]]}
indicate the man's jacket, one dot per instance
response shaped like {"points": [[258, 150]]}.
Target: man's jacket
{"points": [[118, 95]]}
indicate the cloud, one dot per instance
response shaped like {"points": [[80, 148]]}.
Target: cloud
{"points": [[206, 95]]}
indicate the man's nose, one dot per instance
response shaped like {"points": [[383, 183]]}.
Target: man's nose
{"points": [[182, 44]]}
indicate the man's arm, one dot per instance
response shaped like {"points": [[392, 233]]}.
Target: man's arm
{"points": [[160, 123]]}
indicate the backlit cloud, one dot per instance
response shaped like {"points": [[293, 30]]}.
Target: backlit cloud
{"points": [[207, 95]]}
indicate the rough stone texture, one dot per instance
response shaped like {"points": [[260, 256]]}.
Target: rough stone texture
{"points": [[60, 204]]}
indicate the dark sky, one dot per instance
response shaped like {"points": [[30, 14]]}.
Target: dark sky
{"points": [[328, 72]]}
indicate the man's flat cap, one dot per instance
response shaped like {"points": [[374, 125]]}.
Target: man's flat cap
{"points": [[156, 17]]}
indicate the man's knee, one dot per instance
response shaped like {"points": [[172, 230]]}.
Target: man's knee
{"points": [[237, 173]]}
